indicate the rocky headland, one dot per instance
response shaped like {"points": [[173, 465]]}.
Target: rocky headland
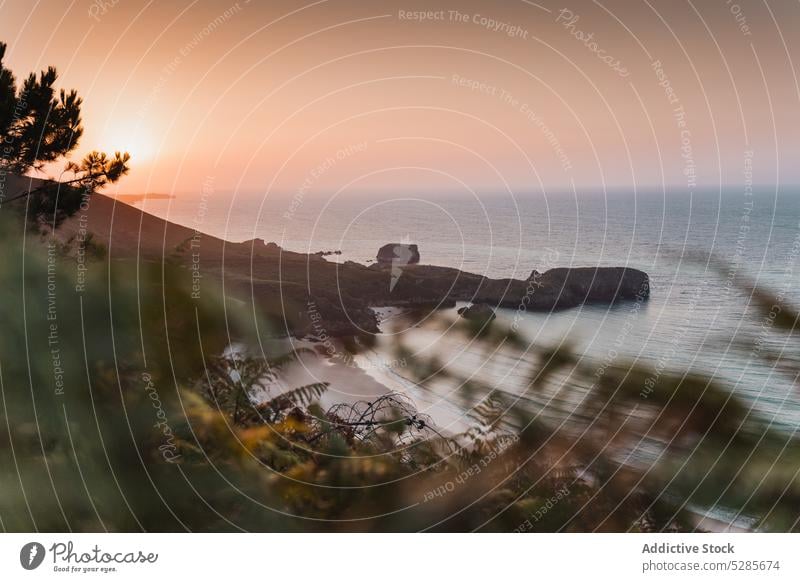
{"points": [[301, 292]]}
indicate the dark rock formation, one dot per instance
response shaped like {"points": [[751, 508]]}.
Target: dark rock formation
{"points": [[306, 295], [477, 312], [555, 289], [597, 284], [405, 254]]}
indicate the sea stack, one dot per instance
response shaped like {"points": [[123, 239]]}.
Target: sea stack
{"points": [[407, 254]]}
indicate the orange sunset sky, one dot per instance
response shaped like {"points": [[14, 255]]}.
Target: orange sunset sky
{"points": [[485, 95]]}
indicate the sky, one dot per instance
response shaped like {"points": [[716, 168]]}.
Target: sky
{"points": [[428, 95]]}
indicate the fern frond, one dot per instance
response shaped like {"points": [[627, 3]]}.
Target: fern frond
{"points": [[302, 396]]}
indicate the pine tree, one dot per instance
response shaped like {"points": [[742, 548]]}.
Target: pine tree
{"points": [[38, 126]]}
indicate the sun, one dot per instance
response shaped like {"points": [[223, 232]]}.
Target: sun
{"points": [[132, 138]]}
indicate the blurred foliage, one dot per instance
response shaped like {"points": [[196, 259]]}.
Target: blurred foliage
{"points": [[125, 410]]}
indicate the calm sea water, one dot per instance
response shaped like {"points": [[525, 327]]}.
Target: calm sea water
{"points": [[691, 320]]}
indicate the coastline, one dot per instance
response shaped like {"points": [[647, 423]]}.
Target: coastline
{"points": [[306, 294]]}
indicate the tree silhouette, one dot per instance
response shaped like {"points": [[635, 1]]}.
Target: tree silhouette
{"points": [[52, 202], [39, 125]]}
